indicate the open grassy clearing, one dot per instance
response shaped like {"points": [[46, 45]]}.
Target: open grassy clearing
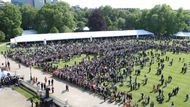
{"points": [[3, 47], [179, 79], [73, 61]]}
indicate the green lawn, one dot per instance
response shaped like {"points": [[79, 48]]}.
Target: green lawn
{"points": [[3, 47], [181, 80], [27, 93], [71, 62]]}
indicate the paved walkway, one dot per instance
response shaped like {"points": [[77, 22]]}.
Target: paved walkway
{"points": [[11, 98], [76, 96]]}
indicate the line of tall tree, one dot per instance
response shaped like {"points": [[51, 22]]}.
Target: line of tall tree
{"points": [[61, 17]]}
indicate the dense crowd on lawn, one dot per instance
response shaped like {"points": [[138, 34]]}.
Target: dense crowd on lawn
{"points": [[113, 63]]}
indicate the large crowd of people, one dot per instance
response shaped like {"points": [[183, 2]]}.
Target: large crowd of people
{"points": [[113, 63]]}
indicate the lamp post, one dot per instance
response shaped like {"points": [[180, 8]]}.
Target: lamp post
{"points": [[15, 72], [30, 73]]}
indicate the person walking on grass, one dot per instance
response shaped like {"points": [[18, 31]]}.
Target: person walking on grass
{"points": [[152, 104], [172, 104]]}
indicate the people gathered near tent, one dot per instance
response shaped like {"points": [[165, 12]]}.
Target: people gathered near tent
{"points": [[114, 61]]}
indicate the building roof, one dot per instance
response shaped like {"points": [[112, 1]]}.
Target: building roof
{"points": [[86, 28], [77, 35], [183, 34]]}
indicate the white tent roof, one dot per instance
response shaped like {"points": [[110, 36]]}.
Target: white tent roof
{"points": [[77, 35], [183, 34], [86, 28]]}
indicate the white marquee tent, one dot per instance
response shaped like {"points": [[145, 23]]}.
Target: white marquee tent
{"points": [[78, 35], [182, 34]]}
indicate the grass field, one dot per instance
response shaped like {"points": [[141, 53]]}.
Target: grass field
{"points": [[3, 47], [27, 93], [71, 62], [179, 79]]}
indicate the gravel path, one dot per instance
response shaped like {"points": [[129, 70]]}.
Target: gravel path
{"points": [[11, 98]]}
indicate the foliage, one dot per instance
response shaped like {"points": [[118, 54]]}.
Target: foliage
{"points": [[111, 16], [10, 21], [2, 36], [161, 19], [96, 22], [65, 29], [81, 18], [54, 30], [54, 15], [5, 47], [28, 16], [132, 20]]}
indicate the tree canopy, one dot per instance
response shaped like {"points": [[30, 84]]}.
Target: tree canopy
{"points": [[10, 21], [54, 30], [54, 15], [28, 16], [60, 17], [96, 22], [2, 36], [81, 18], [161, 19]]}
